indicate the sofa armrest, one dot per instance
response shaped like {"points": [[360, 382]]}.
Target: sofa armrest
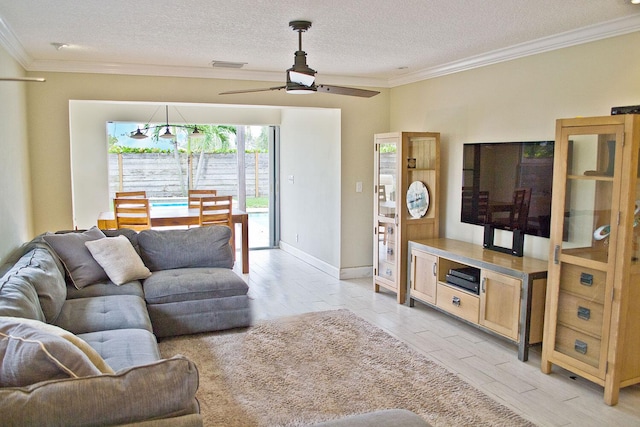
{"points": [[163, 389]]}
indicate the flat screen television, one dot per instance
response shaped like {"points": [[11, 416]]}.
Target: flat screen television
{"points": [[508, 185]]}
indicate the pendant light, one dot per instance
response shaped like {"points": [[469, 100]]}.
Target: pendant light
{"points": [[140, 134]]}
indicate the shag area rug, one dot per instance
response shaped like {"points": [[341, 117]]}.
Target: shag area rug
{"points": [[325, 365]]}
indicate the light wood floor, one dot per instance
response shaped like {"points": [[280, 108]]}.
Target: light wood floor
{"points": [[282, 285]]}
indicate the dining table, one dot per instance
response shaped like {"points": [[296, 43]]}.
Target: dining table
{"points": [[174, 216]]}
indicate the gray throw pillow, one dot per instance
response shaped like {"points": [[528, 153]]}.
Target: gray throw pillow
{"points": [[78, 261], [195, 247]]}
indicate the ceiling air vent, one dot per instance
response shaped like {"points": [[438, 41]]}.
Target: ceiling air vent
{"points": [[227, 64]]}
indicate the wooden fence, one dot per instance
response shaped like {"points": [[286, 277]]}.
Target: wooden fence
{"points": [[165, 175]]}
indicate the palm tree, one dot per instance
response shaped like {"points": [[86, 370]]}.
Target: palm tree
{"points": [[216, 138]]}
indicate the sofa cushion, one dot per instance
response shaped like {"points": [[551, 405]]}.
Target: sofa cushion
{"points": [[18, 296], [118, 259], [162, 389], [78, 262], [130, 234], [105, 289], [195, 247], [104, 313], [203, 315], [124, 348], [38, 267], [186, 284], [31, 354]]}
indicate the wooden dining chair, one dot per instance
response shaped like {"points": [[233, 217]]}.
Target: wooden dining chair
{"points": [[132, 213], [196, 195], [217, 210], [131, 194]]}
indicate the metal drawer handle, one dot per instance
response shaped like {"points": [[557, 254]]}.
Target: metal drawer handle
{"points": [[455, 301], [584, 313], [586, 279], [435, 269], [580, 347]]}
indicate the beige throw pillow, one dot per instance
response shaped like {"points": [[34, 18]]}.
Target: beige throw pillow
{"points": [[118, 258]]}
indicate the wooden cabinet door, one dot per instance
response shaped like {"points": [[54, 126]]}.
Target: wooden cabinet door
{"points": [[500, 303], [424, 276]]}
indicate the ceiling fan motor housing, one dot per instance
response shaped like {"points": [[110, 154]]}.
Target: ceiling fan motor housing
{"points": [[301, 78]]}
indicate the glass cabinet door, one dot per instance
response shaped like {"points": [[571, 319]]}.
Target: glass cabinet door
{"points": [[387, 206], [584, 240]]}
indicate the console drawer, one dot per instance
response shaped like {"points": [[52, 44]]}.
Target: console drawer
{"points": [[458, 302], [580, 314], [586, 282], [578, 345]]}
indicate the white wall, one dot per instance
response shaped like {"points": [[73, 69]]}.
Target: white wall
{"points": [[310, 188], [515, 101], [16, 223]]}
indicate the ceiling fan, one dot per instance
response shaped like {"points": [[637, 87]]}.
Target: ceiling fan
{"points": [[301, 78]]}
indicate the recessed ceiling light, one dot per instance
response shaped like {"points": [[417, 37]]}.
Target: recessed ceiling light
{"points": [[635, 1], [59, 46]]}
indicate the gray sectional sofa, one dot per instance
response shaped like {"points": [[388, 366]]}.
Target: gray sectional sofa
{"points": [[80, 313], [79, 317]]}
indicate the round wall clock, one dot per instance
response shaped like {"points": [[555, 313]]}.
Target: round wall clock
{"points": [[417, 199]]}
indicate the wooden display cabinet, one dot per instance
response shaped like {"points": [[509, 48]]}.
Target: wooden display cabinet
{"points": [[406, 202], [591, 319]]}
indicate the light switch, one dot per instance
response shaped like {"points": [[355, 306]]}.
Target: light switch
{"points": [[359, 187]]}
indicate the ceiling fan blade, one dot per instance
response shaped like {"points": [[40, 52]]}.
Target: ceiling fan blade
{"points": [[231, 92], [22, 79], [351, 91]]}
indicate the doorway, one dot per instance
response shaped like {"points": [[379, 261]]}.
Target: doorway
{"points": [[167, 168]]}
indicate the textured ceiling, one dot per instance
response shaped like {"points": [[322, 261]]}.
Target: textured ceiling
{"points": [[375, 41]]}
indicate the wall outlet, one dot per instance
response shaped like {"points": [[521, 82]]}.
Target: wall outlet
{"points": [[296, 237], [290, 179]]}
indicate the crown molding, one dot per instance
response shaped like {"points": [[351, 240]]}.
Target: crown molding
{"points": [[192, 72], [613, 28], [588, 34], [10, 42]]}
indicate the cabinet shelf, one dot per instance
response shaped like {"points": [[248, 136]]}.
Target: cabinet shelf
{"points": [[603, 178]]}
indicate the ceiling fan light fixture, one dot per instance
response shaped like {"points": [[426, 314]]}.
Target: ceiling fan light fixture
{"points": [[302, 78], [300, 91]]}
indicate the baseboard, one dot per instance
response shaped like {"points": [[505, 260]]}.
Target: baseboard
{"points": [[356, 272], [342, 274]]}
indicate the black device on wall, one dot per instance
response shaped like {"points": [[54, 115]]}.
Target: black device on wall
{"points": [[507, 186]]}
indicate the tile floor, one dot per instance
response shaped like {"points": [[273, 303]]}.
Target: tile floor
{"points": [[282, 285]]}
